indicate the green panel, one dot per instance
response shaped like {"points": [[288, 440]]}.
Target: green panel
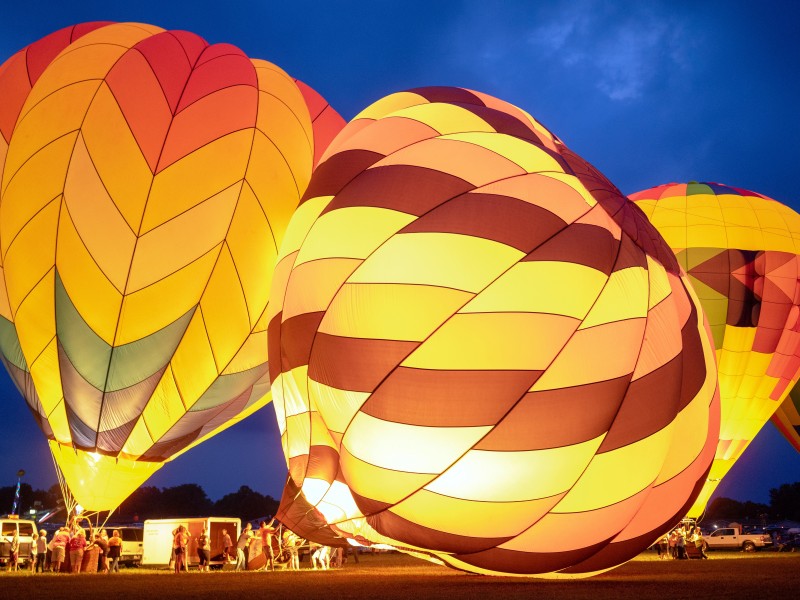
{"points": [[135, 362], [87, 351], [227, 387], [9, 344], [693, 188]]}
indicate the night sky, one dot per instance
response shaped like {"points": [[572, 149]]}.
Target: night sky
{"points": [[648, 92]]}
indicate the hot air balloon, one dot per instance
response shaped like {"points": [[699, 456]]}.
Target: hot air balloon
{"points": [[740, 250], [487, 355], [146, 186]]}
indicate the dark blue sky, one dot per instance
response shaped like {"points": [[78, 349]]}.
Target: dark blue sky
{"points": [[648, 92]]}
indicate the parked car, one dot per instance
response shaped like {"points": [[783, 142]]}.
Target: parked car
{"points": [[732, 538], [24, 528]]}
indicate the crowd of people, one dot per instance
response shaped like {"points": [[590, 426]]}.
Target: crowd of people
{"points": [[279, 547], [67, 547], [673, 545]]}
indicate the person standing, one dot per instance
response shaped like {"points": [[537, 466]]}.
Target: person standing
{"points": [[77, 545], [59, 543], [41, 552], [243, 548], [203, 551], [267, 533], [227, 545], [180, 541], [114, 550], [13, 552]]}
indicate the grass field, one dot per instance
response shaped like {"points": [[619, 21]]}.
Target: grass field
{"points": [[764, 575]]}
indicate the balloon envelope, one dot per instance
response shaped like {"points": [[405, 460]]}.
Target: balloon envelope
{"points": [[741, 252], [146, 186], [486, 353]]}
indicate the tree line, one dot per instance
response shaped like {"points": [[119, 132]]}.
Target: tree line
{"points": [[150, 502], [784, 504]]}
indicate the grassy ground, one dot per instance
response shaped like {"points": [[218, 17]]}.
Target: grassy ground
{"points": [[393, 576]]}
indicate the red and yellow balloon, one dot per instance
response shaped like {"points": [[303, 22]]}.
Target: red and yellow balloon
{"points": [[481, 350], [741, 251], [147, 180]]}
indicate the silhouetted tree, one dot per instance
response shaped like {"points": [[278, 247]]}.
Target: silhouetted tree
{"points": [[144, 503], [246, 504], [187, 500], [785, 501]]}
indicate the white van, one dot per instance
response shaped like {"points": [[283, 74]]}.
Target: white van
{"points": [[9, 525]]}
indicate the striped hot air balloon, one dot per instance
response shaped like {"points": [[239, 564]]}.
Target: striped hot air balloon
{"points": [[487, 354], [146, 184], [741, 251]]}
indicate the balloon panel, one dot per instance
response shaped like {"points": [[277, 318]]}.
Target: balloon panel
{"points": [[740, 250], [484, 345]]}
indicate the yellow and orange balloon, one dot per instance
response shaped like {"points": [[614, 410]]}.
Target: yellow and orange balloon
{"points": [[741, 251], [147, 180], [481, 351]]}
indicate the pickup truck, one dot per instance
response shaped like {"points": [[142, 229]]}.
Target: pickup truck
{"points": [[731, 538]]}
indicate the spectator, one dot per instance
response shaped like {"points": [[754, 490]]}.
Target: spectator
{"points": [[60, 542], [41, 552], [203, 551], [179, 544], [13, 552], [77, 545], [291, 543], [227, 545], [114, 550], [267, 533], [243, 547]]}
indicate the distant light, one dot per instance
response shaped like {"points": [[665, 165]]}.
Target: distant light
{"points": [[32, 511], [78, 509]]}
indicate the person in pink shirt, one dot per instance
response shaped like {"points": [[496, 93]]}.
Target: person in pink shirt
{"points": [[60, 541], [76, 547]]}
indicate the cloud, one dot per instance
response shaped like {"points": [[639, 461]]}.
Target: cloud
{"points": [[624, 50]]}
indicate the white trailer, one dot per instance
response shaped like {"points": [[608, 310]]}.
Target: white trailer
{"points": [[158, 536]]}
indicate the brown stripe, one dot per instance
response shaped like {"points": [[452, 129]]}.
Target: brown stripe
{"points": [[296, 339], [630, 255], [274, 346], [504, 219], [394, 526], [527, 563], [650, 404], [555, 418], [161, 451], [368, 506], [406, 188], [323, 463], [448, 398], [355, 364], [449, 95], [614, 554], [694, 365], [112, 440], [332, 175], [505, 123], [581, 244]]}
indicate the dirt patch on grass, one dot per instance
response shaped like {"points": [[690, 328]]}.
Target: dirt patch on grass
{"points": [[396, 577]]}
